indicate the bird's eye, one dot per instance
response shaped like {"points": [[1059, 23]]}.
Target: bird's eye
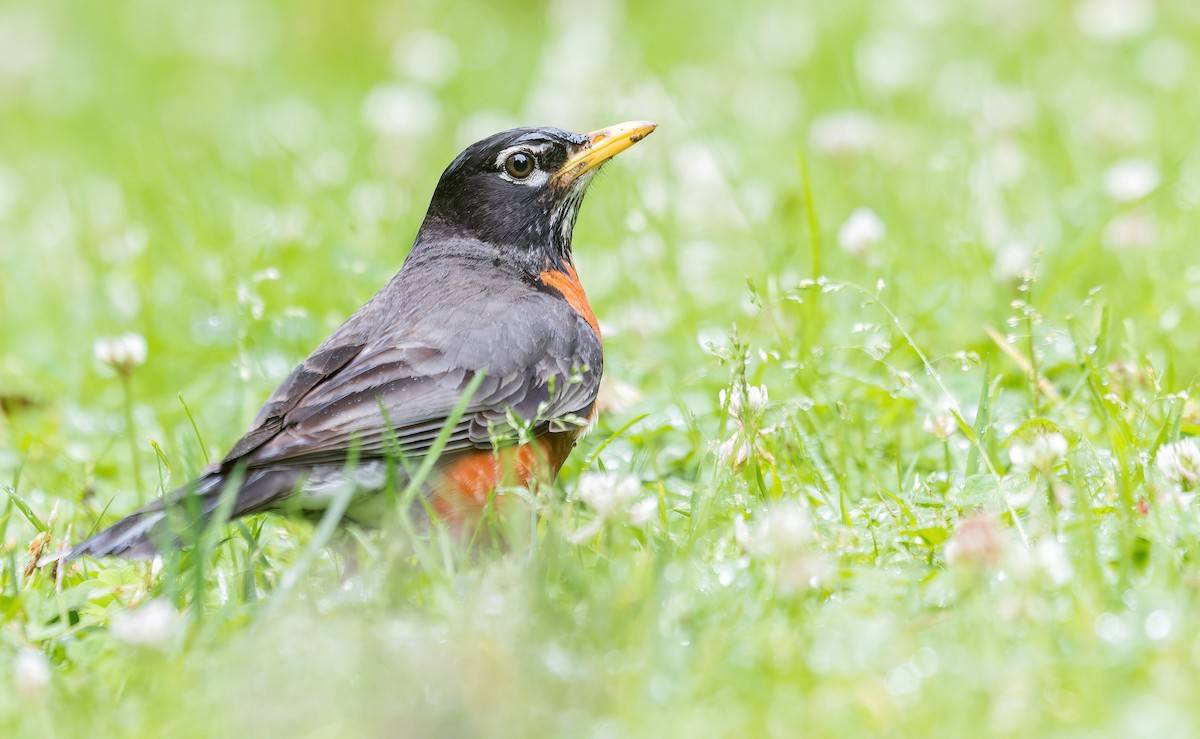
{"points": [[519, 165]]}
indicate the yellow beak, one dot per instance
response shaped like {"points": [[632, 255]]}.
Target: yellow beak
{"points": [[603, 145]]}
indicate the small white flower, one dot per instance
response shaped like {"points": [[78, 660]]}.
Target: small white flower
{"points": [[890, 62], [1062, 493], [846, 133], [747, 405], [1006, 109], [28, 43], [743, 409], [738, 448], [1014, 262], [395, 109], [609, 494], [734, 451], [756, 399], [800, 572], [31, 673], [427, 57], [614, 497], [1164, 63], [1043, 453], [123, 353], [151, 625], [860, 232], [943, 427], [1130, 179], [783, 529], [1179, 462], [1113, 20], [1131, 231], [741, 533], [978, 540], [780, 537], [641, 512], [1053, 561]]}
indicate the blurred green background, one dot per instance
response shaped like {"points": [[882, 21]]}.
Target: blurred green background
{"points": [[231, 179]]}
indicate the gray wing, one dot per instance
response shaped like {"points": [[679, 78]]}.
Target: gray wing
{"points": [[541, 363]]}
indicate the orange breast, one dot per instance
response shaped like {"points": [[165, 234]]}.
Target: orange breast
{"points": [[567, 283], [464, 483]]}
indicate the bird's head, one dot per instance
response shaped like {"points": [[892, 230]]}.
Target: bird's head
{"points": [[521, 189]]}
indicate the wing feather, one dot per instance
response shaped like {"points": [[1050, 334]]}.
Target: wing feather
{"points": [[372, 395]]}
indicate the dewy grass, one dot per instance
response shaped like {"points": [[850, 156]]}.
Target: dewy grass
{"points": [[962, 506]]}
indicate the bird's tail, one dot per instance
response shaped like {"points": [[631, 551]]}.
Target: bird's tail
{"points": [[138, 535]]}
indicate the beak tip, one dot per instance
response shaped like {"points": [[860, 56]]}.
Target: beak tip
{"points": [[645, 128]]}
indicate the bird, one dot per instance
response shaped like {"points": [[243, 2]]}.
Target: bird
{"points": [[486, 309]]}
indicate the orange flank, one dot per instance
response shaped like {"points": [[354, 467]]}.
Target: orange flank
{"points": [[567, 283], [466, 481]]}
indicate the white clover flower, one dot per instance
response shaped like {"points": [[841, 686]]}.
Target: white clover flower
{"points": [[1131, 179], [734, 403], [426, 57], [1014, 262], [1179, 462], [395, 109], [1163, 63], [123, 353], [751, 405], [800, 572], [1114, 20], [846, 133], [1043, 453], [780, 537], [614, 497], [746, 410], [783, 529], [890, 62], [31, 673], [1062, 493], [641, 512], [978, 540], [609, 494], [1001, 165], [735, 450], [1005, 109], [27, 43], [151, 625], [1052, 559], [756, 399], [943, 426], [1130, 231], [861, 231]]}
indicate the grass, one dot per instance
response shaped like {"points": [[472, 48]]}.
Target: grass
{"points": [[941, 514]]}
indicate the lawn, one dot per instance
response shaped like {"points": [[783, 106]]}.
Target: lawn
{"points": [[901, 307]]}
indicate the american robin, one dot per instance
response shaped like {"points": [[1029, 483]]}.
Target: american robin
{"points": [[488, 297]]}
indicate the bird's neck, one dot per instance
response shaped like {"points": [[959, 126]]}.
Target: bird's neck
{"points": [[533, 250]]}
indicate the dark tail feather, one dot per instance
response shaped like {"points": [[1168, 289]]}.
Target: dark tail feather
{"points": [[136, 535]]}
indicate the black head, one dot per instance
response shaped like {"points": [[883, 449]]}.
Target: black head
{"points": [[521, 189]]}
